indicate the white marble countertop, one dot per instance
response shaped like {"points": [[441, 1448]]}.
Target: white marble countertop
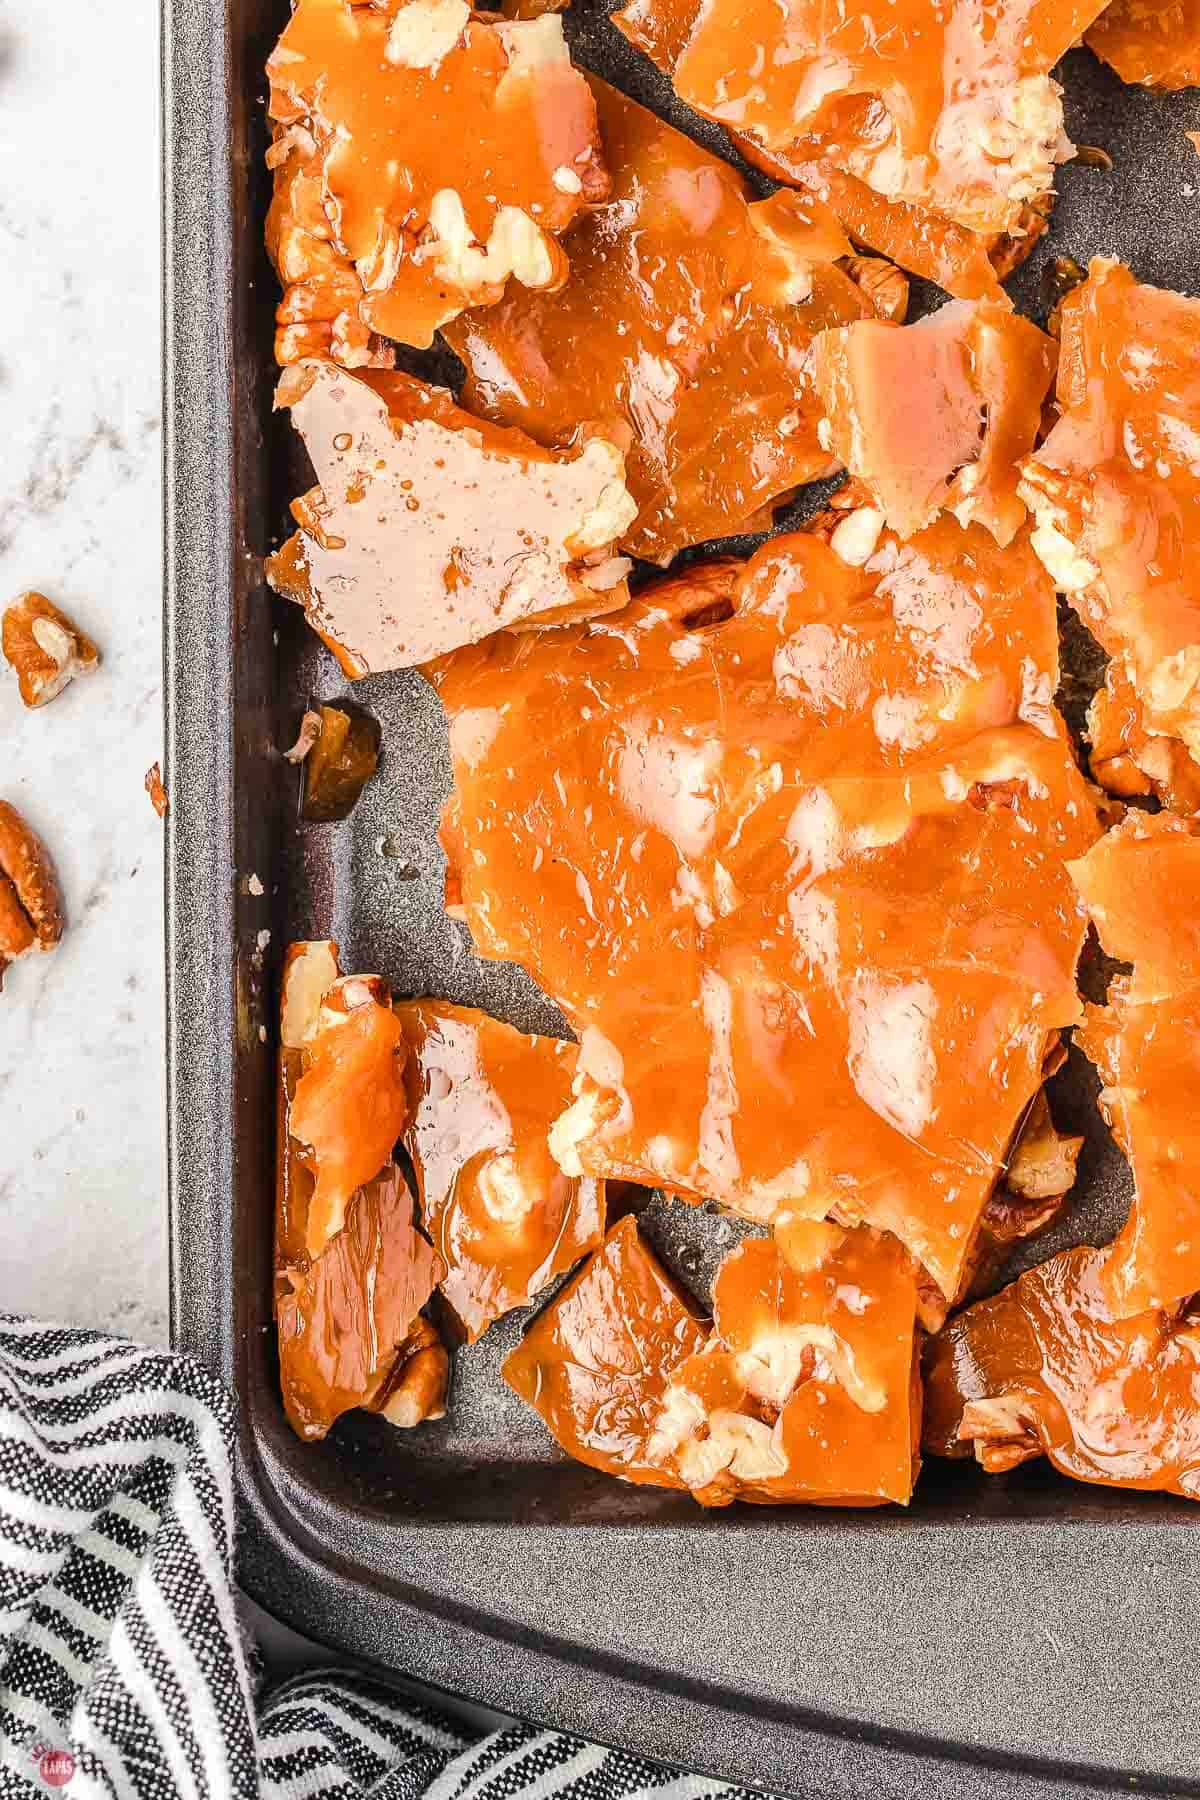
{"points": [[82, 1187]]}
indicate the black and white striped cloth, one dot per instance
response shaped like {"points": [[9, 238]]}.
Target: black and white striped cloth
{"points": [[124, 1674]]}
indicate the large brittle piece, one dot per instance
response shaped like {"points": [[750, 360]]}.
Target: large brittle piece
{"points": [[1115, 489], [683, 332], [376, 231], [795, 828]]}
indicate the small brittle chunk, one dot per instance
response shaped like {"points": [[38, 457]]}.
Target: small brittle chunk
{"points": [[423, 156], [31, 903], [431, 529], [1045, 1368], [501, 1213], [596, 1362], [1115, 488], [1155, 43], [807, 1389], [342, 1098], [1141, 884], [793, 826], [937, 415], [699, 365]]}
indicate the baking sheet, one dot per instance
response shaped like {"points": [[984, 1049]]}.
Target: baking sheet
{"points": [[1004, 1636]]}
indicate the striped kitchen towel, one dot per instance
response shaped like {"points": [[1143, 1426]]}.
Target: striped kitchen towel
{"points": [[123, 1671]]}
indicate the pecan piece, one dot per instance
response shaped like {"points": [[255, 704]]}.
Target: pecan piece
{"points": [[45, 649], [420, 1379], [31, 910]]}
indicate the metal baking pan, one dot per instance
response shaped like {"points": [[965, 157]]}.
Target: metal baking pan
{"points": [[1005, 1636]]}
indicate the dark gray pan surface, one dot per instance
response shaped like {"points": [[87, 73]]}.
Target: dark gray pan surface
{"points": [[1013, 1636]]}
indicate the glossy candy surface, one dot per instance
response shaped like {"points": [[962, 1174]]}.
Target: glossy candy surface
{"points": [[682, 332], [1043, 1368], [786, 840], [948, 108], [1141, 884], [1116, 487], [375, 229], [500, 1212], [1153, 42], [937, 415], [596, 1362], [489, 529], [807, 1389], [344, 1317]]}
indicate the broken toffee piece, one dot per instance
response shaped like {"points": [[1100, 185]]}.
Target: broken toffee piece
{"points": [[793, 826], [351, 1269], [808, 1388], [1155, 43], [430, 528], [339, 762], [342, 1097], [1141, 884], [947, 111], [596, 1362], [1044, 1368], [345, 1317], [501, 1213], [375, 230], [937, 415], [1129, 760], [682, 332], [1115, 488]]}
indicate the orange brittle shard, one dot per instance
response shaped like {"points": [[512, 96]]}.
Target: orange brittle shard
{"points": [[1155, 43], [500, 1211], [375, 227], [1116, 490], [1141, 884], [431, 528], [1044, 1368], [352, 1271], [807, 1389], [937, 415], [793, 828], [596, 1362], [682, 332], [949, 110]]}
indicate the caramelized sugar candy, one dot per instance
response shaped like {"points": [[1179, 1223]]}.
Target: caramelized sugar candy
{"points": [[789, 827], [936, 416], [1116, 488], [339, 763], [374, 230], [969, 264], [348, 1290], [808, 1388], [1141, 884], [489, 529], [948, 115], [1045, 1369], [342, 1092], [501, 1213], [596, 1362], [683, 333], [1131, 761], [1155, 43]]}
